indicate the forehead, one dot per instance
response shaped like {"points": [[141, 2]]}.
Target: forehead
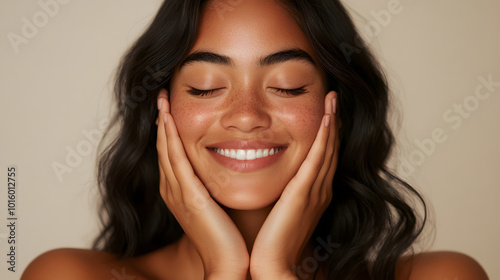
{"points": [[247, 29]]}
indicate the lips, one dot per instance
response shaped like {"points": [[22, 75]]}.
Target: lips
{"points": [[246, 156]]}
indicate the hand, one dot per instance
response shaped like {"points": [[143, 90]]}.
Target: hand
{"points": [[291, 222], [212, 232]]}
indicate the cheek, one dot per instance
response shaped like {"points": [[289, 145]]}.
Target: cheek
{"points": [[302, 120], [191, 119]]}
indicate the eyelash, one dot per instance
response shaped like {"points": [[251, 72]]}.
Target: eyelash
{"points": [[200, 92], [293, 91]]}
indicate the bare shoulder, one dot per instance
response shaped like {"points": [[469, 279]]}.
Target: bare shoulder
{"points": [[77, 264], [440, 266]]}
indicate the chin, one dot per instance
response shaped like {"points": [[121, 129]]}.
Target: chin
{"points": [[239, 202], [248, 194]]}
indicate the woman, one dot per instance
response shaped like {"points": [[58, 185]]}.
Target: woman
{"points": [[252, 145]]}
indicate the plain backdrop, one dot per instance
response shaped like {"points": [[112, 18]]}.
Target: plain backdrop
{"points": [[56, 80]]}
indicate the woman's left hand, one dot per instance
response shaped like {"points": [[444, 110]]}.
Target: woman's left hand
{"points": [[291, 222]]}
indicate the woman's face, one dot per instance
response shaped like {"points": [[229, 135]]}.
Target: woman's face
{"points": [[248, 101]]}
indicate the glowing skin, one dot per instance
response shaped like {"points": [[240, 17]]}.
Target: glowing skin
{"points": [[268, 243], [247, 105]]}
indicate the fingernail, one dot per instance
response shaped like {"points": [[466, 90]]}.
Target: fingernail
{"points": [[327, 121], [159, 104], [334, 105]]}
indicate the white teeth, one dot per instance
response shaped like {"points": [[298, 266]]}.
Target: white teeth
{"points": [[259, 153], [232, 153], [240, 154], [250, 155], [265, 153]]}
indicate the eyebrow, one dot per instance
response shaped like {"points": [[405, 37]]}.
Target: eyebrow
{"points": [[286, 55], [278, 57], [204, 56]]}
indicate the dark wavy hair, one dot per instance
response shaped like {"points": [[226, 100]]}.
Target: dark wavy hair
{"points": [[370, 216]]}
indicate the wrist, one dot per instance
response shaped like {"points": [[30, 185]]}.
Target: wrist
{"points": [[275, 276], [272, 274], [227, 270], [261, 269], [226, 276]]}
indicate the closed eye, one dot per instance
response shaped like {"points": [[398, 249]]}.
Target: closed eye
{"points": [[293, 91], [208, 92], [201, 92]]}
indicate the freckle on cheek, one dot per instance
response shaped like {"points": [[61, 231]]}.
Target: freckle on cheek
{"points": [[189, 118], [306, 121]]}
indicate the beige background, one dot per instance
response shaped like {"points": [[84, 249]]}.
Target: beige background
{"points": [[54, 98]]}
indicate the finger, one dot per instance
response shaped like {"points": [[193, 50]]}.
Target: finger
{"points": [[320, 193], [184, 186], [330, 148], [162, 96], [166, 172], [163, 189], [328, 181], [335, 143], [180, 164], [312, 172], [302, 182], [161, 140]]}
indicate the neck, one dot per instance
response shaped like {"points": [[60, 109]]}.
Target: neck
{"points": [[249, 222]]}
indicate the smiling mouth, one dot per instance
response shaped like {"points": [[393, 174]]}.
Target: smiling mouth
{"points": [[247, 154]]}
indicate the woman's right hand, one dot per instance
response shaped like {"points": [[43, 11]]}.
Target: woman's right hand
{"points": [[211, 231]]}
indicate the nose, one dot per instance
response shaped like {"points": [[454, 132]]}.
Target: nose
{"points": [[246, 111]]}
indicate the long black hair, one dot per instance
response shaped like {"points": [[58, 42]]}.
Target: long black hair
{"points": [[370, 218]]}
